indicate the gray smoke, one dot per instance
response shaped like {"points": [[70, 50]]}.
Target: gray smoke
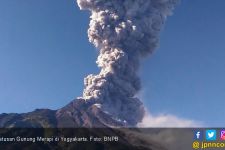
{"points": [[124, 31]]}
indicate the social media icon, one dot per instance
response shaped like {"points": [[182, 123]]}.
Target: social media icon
{"points": [[222, 135], [198, 135], [211, 135]]}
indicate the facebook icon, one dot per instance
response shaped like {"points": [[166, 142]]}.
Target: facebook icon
{"points": [[198, 135]]}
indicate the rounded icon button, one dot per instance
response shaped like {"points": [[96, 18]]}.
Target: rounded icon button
{"points": [[196, 145]]}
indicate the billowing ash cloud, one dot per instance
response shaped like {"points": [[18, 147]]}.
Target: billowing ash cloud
{"points": [[124, 31]]}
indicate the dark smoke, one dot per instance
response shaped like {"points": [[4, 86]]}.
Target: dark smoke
{"points": [[124, 31]]}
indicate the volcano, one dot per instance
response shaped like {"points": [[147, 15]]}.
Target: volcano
{"points": [[78, 118], [78, 113]]}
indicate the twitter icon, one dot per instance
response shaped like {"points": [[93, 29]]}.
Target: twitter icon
{"points": [[210, 135]]}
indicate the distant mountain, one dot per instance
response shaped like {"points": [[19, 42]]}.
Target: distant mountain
{"points": [[36, 119]]}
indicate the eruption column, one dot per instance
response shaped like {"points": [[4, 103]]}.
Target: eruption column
{"points": [[124, 31]]}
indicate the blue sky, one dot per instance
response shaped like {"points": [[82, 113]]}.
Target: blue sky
{"points": [[45, 54]]}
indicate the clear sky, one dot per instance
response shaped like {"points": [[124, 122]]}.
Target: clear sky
{"points": [[45, 54]]}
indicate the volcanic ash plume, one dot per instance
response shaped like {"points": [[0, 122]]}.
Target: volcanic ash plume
{"points": [[124, 31]]}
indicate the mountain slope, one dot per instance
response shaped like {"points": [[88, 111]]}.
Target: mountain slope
{"points": [[70, 121], [78, 113]]}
